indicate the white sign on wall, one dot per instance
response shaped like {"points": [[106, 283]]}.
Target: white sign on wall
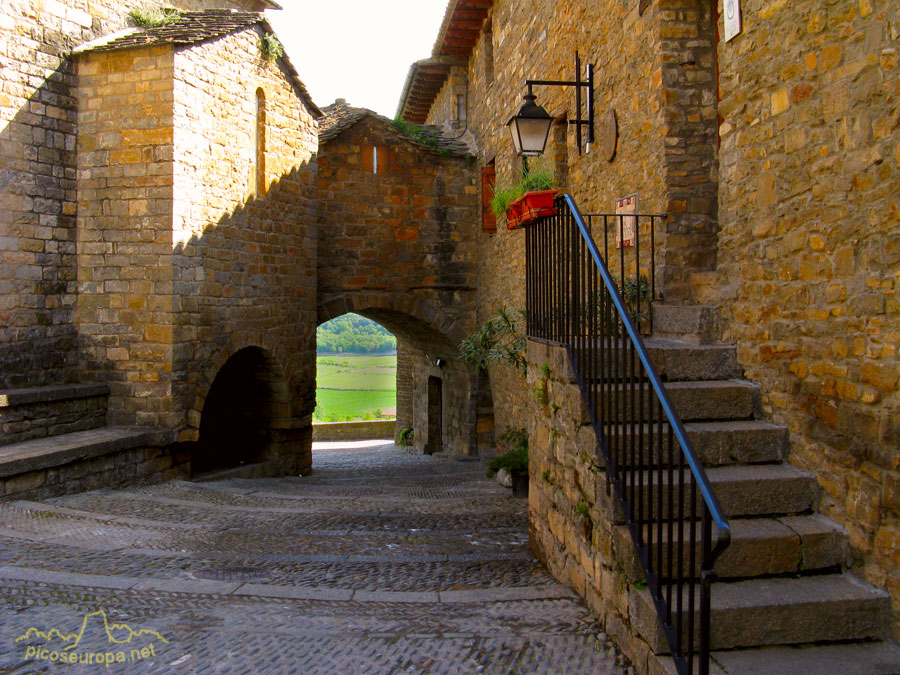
{"points": [[625, 225], [732, 18]]}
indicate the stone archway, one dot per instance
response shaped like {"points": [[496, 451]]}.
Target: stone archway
{"points": [[427, 351], [243, 416]]}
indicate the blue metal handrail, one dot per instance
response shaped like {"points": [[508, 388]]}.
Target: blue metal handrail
{"points": [[563, 294]]}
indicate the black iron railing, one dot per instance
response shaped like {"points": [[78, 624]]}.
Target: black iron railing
{"points": [[628, 245], [665, 495]]}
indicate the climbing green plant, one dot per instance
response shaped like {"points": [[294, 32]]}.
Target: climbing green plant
{"points": [[271, 47], [500, 339]]}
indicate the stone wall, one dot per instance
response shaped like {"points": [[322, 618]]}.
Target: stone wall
{"points": [[37, 147], [180, 266], [809, 251], [656, 71], [576, 528], [125, 310], [355, 431], [399, 220], [244, 263]]}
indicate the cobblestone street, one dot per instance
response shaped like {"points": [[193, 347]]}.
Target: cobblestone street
{"points": [[380, 562]]}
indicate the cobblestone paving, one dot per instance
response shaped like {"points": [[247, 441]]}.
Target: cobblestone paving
{"points": [[380, 562]]}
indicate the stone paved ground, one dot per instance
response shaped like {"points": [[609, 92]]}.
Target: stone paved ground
{"points": [[381, 562]]}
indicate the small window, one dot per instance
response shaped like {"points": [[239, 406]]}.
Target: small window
{"points": [[460, 108], [488, 179], [259, 156]]}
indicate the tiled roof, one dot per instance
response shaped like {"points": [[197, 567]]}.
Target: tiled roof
{"points": [[423, 82], [190, 28], [339, 116], [193, 28], [461, 27], [459, 32]]}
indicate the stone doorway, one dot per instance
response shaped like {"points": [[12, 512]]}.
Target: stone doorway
{"points": [[435, 415]]}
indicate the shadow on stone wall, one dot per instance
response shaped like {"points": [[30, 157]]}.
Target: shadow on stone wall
{"points": [[37, 239]]}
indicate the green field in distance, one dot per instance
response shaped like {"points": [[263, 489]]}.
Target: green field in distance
{"points": [[355, 387]]}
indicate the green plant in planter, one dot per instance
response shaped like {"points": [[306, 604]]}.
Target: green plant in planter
{"points": [[500, 339], [405, 437], [515, 459], [537, 178]]}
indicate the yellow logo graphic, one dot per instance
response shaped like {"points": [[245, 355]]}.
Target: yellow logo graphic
{"points": [[116, 634]]}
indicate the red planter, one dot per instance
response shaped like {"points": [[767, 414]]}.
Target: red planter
{"points": [[537, 205], [514, 214]]}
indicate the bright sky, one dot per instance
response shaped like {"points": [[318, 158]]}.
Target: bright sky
{"points": [[359, 50]]}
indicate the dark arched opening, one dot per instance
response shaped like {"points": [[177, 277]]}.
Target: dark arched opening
{"points": [[237, 415]]}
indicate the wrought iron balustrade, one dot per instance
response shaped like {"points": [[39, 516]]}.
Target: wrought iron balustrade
{"points": [[667, 499], [628, 244]]}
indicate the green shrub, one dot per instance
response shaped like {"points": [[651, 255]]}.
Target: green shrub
{"points": [[271, 47], [405, 437], [153, 17], [515, 459], [501, 338]]}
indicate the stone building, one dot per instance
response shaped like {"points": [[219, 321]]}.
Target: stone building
{"points": [[774, 156], [179, 215]]}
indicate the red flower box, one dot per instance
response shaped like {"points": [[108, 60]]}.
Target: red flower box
{"points": [[537, 205], [514, 214]]}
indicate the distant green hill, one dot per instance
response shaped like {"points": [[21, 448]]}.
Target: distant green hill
{"points": [[354, 334]]}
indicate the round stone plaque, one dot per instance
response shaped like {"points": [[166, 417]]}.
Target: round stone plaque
{"points": [[609, 135]]}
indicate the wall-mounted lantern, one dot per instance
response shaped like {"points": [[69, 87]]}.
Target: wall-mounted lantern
{"points": [[530, 127]]}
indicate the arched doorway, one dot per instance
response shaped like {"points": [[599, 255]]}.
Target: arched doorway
{"points": [[236, 422]]}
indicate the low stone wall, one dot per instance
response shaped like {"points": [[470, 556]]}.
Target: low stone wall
{"points": [[587, 548], [354, 431], [38, 412], [118, 469]]}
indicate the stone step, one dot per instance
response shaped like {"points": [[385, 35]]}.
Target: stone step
{"points": [[770, 612], [696, 324], [742, 491], [56, 465], [847, 659], [39, 412], [759, 547], [674, 360], [720, 443], [693, 401]]}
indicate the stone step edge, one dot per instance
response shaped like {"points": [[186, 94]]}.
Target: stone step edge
{"points": [[804, 532], [48, 394], [238, 589], [855, 658], [54, 451], [732, 600]]}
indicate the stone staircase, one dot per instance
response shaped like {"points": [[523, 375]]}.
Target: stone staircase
{"points": [[784, 601], [54, 440]]}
